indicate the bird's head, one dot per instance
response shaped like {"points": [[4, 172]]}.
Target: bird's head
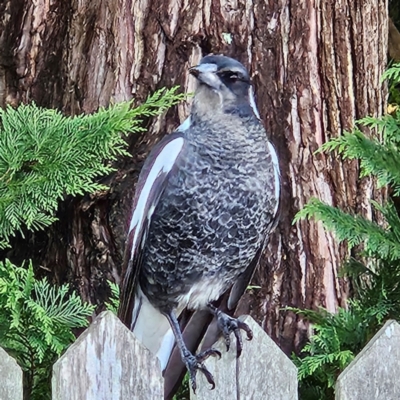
{"points": [[223, 84]]}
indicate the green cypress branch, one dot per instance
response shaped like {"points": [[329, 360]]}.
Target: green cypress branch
{"points": [[45, 156], [36, 322], [356, 229]]}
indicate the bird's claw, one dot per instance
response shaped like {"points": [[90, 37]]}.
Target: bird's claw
{"points": [[208, 353], [227, 325], [195, 363]]}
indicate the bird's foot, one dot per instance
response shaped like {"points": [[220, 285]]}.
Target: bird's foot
{"points": [[229, 325], [195, 363]]}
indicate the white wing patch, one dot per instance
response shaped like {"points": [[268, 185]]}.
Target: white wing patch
{"points": [[162, 164]]}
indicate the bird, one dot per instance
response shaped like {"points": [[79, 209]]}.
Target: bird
{"points": [[206, 201]]}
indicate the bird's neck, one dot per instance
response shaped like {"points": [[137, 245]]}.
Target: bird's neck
{"points": [[227, 134]]}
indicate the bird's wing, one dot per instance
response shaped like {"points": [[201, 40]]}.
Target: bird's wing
{"points": [[243, 281], [151, 184]]}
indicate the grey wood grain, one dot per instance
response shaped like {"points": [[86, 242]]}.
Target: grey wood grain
{"points": [[262, 372], [10, 378], [107, 363], [374, 373]]}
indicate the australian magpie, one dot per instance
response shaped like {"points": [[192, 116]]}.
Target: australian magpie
{"points": [[206, 200]]}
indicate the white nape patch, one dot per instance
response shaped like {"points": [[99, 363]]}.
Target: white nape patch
{"points": [[185, 125], [253, 104], [163, 164], [277, 174]]}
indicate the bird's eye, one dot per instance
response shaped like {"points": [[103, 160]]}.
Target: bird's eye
{"points": [[232, 76]]}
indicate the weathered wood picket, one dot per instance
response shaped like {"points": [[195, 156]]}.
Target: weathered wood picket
{"points": [[11, 378], [374, 373], [263, 371], [107, 363]]}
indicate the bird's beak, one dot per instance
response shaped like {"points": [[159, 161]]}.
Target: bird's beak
{"points": [[206, 73]]}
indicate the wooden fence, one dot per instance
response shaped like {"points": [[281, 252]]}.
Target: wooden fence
{"points": [[107, 363]]}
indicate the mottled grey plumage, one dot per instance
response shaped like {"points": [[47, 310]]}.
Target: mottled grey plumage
{"points": [[217, 203], [215, 211]]}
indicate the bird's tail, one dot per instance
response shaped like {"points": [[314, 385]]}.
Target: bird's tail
{"points": [[152, 329]]}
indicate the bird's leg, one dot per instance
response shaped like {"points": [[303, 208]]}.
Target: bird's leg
{"points": [[227, 325], [192, 362]]}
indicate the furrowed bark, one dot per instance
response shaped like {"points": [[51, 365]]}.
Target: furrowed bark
{"points": [[316, 67]]}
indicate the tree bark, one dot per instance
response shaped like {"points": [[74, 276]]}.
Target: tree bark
{"points": [[316, 67]]}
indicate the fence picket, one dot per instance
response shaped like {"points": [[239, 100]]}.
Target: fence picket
{"points": [[374, 373], [107, 362], [11, 378], [262, 372]]}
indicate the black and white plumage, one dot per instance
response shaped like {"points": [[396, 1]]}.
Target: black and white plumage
{"points": [[206, 200]]}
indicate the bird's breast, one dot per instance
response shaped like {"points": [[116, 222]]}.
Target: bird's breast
{"points": [[209, 223]]}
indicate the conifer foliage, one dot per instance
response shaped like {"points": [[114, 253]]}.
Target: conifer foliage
{"points": [[375, 268], [45, 156], [36, 322]]}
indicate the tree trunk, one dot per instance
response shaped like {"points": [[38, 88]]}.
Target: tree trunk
{"points": [[316, 67]]}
